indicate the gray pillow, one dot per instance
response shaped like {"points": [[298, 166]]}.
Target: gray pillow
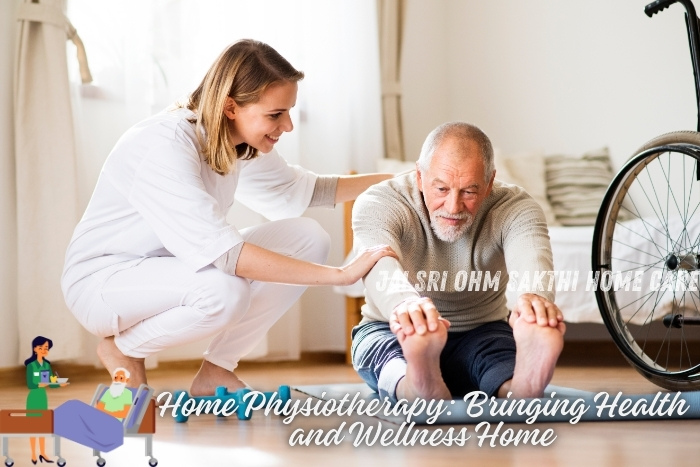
{"points": [[576, 185]]}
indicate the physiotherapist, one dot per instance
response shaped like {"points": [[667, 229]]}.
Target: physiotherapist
{"points": [[153, 263]]}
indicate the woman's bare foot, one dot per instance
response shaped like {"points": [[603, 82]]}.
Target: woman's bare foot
{"points": [[211, 376], [112, 358], [423, 376], [537, 350]]}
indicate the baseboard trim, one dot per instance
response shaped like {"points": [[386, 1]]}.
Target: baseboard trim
{"points": [[591, 353]]}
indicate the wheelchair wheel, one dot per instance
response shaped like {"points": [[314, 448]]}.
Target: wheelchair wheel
{"points": [[646, 244]]}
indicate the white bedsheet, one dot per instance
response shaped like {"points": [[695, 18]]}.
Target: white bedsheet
{"points": [[571, 249], [633, 253]]}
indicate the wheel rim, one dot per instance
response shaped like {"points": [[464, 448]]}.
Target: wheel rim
{"points": [[648, 226]]}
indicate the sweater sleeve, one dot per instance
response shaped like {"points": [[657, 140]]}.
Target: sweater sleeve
{"points": [[378, 219], [229, 260], [527, 249], [324, 191]]}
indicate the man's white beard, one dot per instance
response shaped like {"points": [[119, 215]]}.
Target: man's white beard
{"points": [[116, 389], [450, 233]]}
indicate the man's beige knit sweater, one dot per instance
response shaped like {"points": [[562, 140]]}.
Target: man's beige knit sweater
{"points": [[466, 279]]}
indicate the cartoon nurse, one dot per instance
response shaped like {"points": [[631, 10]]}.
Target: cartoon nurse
{"points": [[39, 375]]}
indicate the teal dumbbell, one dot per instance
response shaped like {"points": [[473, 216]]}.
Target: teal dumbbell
{"points": [[222, 395]]}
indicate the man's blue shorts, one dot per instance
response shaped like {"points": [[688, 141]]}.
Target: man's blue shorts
{"points": [[480, 359]]}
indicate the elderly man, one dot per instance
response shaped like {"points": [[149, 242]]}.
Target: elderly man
{"points": [[117, 399], [435, 324]]}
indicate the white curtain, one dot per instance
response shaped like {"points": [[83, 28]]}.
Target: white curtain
{"points": [[391, 20], [9, 348], [45, 161], [169, 45]]}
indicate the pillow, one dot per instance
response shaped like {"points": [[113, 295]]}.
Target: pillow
{"points": [[527, 171], [502, 172], [576, 185]]}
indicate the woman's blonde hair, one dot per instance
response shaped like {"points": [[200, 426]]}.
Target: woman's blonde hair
{"points": [[243, 71]]}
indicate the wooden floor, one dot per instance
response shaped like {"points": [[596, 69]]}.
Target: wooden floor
{"points": [[264, 440]]}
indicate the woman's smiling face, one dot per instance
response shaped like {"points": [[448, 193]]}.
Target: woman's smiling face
{"points": [[42, 350], [261, 124]]}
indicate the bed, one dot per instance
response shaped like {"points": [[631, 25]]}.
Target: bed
{"points": [[84, 424]]}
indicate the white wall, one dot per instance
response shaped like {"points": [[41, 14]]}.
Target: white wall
{"points": [[424, 65], [547, 74], [339, 132], [8, 225]]}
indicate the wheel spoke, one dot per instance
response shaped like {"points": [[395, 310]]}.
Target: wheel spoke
{"points": [[657, 258], [634, 232], [644, 220], [648, 296], [669, 191], [662, 219], [646, 266], [645, 224]]}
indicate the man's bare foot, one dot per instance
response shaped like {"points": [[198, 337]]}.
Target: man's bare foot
{"points": [[537, 350], [423, 376], [211, 376], [112, 358]]}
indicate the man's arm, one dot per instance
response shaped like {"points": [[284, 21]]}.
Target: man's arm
{"points": [[126, 399], [101, 405], [379, 218], [386, 286], [526, 247], [121, 413]]}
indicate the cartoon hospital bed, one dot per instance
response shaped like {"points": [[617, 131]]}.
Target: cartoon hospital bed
{"points": [[83, 424]]}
